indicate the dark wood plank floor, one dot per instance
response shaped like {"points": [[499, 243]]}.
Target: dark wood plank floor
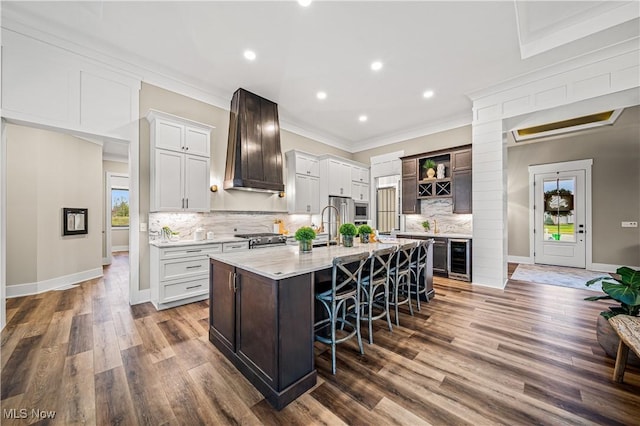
{"points": [[519, 356]]}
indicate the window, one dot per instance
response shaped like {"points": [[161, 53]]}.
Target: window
{"points": [[119, 208]]}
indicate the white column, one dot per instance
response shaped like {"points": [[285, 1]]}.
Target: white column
{"points": [[489, 181]]}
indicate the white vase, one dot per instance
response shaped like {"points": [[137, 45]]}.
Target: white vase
{"points": [[440, 171]]}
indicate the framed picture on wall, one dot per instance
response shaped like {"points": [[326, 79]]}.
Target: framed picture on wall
{"points": [[75, 221]]}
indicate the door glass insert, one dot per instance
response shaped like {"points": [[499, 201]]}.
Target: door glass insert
{"points": [[559, 213]]}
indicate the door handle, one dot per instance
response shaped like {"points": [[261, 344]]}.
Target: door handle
{"points": [[581, 232]]}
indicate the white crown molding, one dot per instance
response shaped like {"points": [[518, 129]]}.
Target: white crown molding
{"points": [[622, 48], [290, 126], [531, 45], [451, 123]]}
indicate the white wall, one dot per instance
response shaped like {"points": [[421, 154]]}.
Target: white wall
{"points": [[46, 172]]}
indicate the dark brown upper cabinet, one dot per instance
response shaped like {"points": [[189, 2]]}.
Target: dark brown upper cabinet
{"points": [[254, 156], [454, 182], [461, 160]]}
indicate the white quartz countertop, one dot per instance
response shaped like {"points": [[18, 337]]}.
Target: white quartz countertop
{"points": [[179, 243], [431, 234], [281, 262]]}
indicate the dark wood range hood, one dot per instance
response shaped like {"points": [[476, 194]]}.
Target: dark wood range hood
{"points": [[254, 156]]}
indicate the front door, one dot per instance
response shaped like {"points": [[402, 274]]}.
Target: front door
{"points": [[560, 222]]}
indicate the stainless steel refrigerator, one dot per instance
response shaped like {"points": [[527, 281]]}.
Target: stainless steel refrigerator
{"points": [[347, 211]]}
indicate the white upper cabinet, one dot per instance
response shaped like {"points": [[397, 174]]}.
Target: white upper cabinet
{"points": [[307, 165], [303, 183], [360, 174], [179, 134], [180, 164], [339, 178], [360, 191], [50, 86]]}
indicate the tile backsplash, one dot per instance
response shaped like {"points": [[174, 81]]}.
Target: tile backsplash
{"points": [[225, 224], [441, 210]]}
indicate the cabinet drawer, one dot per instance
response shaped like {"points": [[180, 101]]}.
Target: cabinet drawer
{"points": [[242, 245], [183, 268], [177, 252], [184, 289]]}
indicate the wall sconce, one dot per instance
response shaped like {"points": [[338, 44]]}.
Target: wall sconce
{"points": [[281, 194], [214, 188]]}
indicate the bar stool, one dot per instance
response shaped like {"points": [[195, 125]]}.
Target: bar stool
{"points": [[342, 302], [400, 278], [375, 288], [419, 270]]}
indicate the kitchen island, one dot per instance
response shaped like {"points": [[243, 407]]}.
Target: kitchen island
{"points": [[261, 313]]}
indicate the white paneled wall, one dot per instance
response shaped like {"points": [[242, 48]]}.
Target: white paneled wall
{"points": [[489, 204], [570, 89]]}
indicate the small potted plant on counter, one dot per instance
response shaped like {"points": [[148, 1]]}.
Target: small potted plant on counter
{"points": [[426, 225], [348, 231], [364, 231], [305, 237]]}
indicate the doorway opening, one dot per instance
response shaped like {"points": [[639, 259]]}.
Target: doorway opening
{"points": [[560, 213]]}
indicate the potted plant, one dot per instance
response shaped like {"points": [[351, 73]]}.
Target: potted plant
{"points": [[364, 231], [348, 231], [426, 225], [429, 166], [626, 291], [305, 236]]}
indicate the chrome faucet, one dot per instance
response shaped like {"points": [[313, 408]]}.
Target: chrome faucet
{"points": [[329, 223]]}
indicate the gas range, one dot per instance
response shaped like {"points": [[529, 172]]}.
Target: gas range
{"points": [[265, 239]]}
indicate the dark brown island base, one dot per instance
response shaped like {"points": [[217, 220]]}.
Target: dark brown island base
{"points": [[261, 314]]}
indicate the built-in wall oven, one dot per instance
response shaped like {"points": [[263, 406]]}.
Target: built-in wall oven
{"points": [[361, 211], [459, 265]]}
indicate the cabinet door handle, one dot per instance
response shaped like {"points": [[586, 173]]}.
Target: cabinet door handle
{"points": [[194, 266], [187, 203], [194, 286], [187, 148], [194, 251], [229, 281], [235, 285], [183, 203]]}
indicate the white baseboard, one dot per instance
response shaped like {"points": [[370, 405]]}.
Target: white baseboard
{"points": [[604, 267], [119, 248], [520, 259], [106, 261], [27, 289], [141, 296]]}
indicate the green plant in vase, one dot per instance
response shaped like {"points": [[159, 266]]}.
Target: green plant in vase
{"points": [[625, 289], [429, 166], [426, 225], [348, 231], [364, 231], [305, 236]]}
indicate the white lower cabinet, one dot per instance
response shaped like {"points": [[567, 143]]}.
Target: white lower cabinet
{"points": [[180, 275]]}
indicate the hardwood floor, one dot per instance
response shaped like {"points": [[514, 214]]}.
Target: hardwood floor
{"points": [[473, 355]]}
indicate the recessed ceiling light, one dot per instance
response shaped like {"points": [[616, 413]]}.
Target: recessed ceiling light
{"points": [[321, 95], [376, 66], [363, 118], [428, 94], [304, 3], [250, 55]]}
